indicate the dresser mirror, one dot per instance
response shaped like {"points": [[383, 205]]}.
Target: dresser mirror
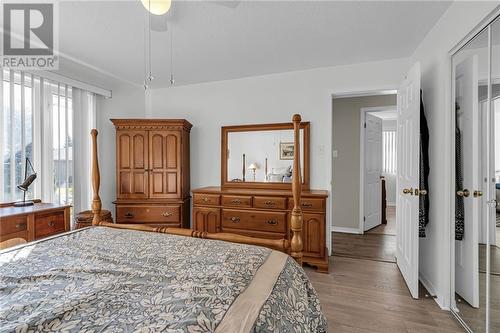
{"points": [[261, 156]]}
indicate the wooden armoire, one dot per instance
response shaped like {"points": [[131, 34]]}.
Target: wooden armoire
{"points": [[152, 171]]}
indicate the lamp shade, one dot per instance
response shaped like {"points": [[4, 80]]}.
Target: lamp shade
{"points": [[253, 166], [157, 7], [27, 182]]}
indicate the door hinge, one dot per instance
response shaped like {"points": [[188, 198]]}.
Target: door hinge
{"points": [[364, 218], [365, 125]]}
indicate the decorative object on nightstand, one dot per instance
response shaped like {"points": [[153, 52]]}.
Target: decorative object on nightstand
{"points": [[253, 167], [28, 180], [84, 219]]}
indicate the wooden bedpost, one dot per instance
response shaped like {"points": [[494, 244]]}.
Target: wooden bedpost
{"points": [[96, 179], [296, 220]]}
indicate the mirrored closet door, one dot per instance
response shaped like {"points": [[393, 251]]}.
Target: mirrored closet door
{"points": [[476, 246]]}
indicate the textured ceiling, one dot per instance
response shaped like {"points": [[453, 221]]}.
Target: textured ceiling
{"points": [[219, 41]]}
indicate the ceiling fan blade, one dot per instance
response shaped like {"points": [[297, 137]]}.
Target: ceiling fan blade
{"points": [[227, 3]]}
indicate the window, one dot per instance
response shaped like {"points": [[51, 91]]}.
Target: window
{"points": [[37, 123], [389, 152]]}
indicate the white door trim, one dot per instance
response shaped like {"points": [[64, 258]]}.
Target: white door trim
{"points": [[363, 112]]}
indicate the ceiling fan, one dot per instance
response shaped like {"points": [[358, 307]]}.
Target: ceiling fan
{"points": [[159, 10]]}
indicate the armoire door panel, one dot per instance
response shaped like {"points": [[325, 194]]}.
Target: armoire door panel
{"points": [[165, 173], [132, 154], [172, 148]]}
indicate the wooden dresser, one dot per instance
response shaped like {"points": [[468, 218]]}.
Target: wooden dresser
{"points": [[263, 213], [33, 222], [152, 171]]}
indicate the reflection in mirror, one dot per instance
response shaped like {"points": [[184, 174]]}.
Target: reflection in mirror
{"points": [[262, 156], [470, 67], [494, 277]]}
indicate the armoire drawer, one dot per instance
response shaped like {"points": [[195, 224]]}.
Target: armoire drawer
{"points": [[206, 199], [237, 201], [269, 202], [148, 214], [49, 224], [316, 204], [254, 220]]}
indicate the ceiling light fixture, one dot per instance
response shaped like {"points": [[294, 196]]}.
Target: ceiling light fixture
{"points": [[157, 7]]}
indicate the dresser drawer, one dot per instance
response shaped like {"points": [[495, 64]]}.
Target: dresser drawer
{"points": [[49, 224], [269, 202], [236, 201], [253, 220], [206, 199], [148, 214], [11, 225], [316, 204]]}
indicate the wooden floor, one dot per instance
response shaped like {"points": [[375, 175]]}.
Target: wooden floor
{"points": [[378, 243], [390, 227], [364, 296]]}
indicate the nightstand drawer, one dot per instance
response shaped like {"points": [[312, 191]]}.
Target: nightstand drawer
{"points": [[269, 202], [13, 224], [48, 224]]}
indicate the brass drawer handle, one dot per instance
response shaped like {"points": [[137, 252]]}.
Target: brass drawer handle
{"points": [[205, 199], [270, 203], [236, 201], [166, 214], [51, 224], [20, 225], [235, 219], [272, 222], [307, 204], [129, 215]]}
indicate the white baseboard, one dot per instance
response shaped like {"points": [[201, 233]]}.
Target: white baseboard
{"points": [[345, 230]]}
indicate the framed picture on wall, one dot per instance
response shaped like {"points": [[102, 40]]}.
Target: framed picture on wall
{"points": [[286, 151]]}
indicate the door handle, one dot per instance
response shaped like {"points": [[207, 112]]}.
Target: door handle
{"points": [[463, 193], [477, 194], [420, 192], [408, 190]]}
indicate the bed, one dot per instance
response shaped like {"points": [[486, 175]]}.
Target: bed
{"points": [[136, 278]]}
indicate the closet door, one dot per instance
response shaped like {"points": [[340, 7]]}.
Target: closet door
{"points": [[164, 161], [132, 164]]}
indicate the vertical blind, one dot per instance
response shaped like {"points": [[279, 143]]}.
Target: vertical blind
{"points": [[37, 122], [389, 152]]}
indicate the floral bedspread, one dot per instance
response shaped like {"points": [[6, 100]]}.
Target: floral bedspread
{"points": [[110, 280]]}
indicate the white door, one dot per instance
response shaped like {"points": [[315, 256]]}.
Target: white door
{"points": [[373, 170], [408, 178], [466, 250]]}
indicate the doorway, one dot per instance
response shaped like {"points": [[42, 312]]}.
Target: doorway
{"points": [[364, 141]]}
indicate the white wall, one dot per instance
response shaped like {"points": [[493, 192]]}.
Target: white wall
{"points": [[268, 99], [455, 24]]}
